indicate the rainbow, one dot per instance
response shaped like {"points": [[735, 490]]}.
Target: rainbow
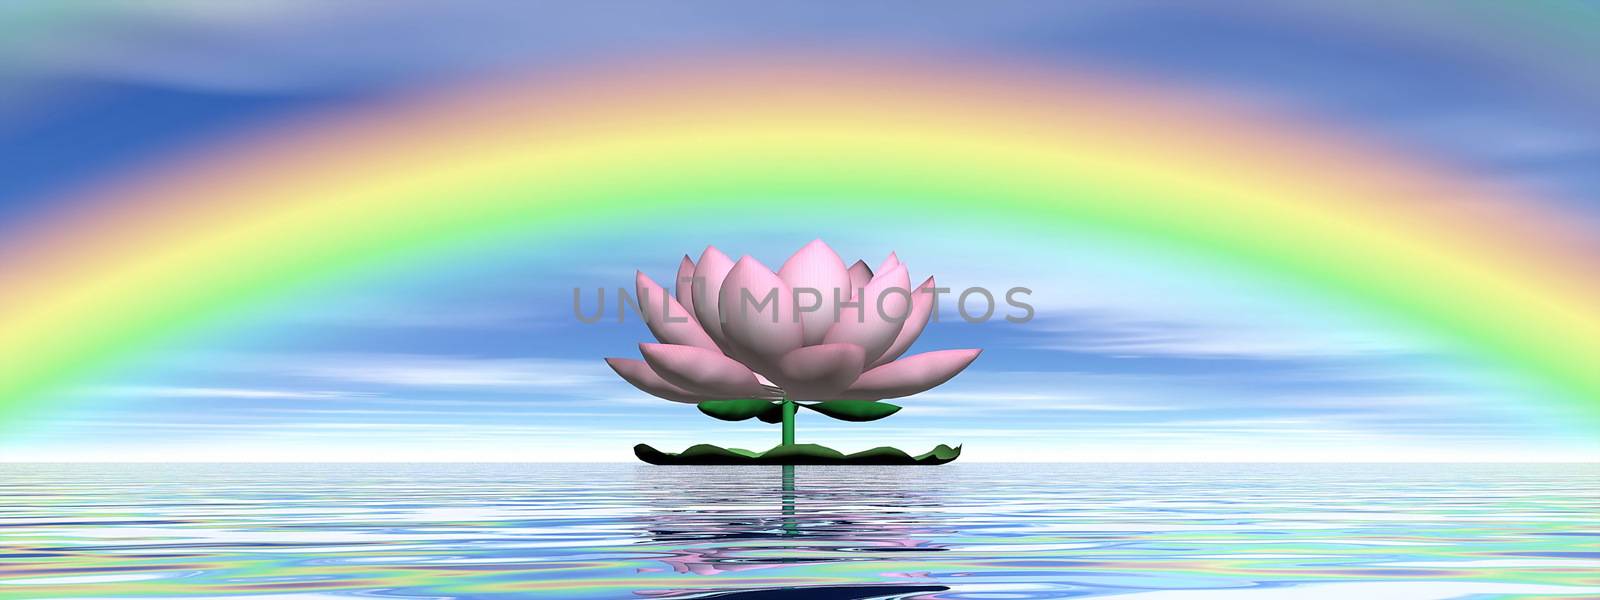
{"points": [[1496, 274]]}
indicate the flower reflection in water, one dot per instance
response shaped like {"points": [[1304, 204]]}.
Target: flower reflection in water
{"points": [[715, 529]]}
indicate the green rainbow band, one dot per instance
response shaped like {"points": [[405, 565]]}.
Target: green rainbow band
{"points": [[686, 142]]}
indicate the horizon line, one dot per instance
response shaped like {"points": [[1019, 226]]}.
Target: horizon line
{"points": [[1594, 461]]}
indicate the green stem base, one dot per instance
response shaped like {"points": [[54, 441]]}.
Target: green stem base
{"points": [[794, 454]]}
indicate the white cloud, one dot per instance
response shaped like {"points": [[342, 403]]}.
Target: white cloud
{"points": [[959, 402], [440, 371], [222, 392], [1125, 335]]}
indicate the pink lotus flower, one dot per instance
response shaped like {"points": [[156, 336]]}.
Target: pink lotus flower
{"points": [[719, 340]]}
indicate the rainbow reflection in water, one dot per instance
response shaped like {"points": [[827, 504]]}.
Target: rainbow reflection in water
{"points": [[960, 531]]}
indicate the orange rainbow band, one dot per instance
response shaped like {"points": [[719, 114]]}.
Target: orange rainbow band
{"points": [[1501, 276]]}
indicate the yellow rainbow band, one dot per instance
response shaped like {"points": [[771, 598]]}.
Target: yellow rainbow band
{"points": [[1496, 273]]}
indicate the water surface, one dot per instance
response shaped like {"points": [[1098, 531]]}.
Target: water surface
{"points": [[968, 531]]}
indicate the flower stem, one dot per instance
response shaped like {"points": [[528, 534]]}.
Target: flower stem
{"points": [[788, 422]]}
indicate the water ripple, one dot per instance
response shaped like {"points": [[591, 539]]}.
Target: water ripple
{"points": [[1185, 532]]}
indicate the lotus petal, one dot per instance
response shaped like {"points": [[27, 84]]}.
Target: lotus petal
{"points": [[860, 274], [639, 374], [910, 375], [865, 325], [701, 371], [709, 273], [818, 372], [683, 288], [817, 267], [888, 263], [757, 315], [921, 309], [667, 319]]}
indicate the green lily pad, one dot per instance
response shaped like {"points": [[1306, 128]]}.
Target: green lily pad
{"points": [[738, 410], [858, 411], [773, 414], [797, 454]]}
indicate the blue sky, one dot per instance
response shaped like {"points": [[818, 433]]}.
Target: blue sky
{"points": [[484, 361]]}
